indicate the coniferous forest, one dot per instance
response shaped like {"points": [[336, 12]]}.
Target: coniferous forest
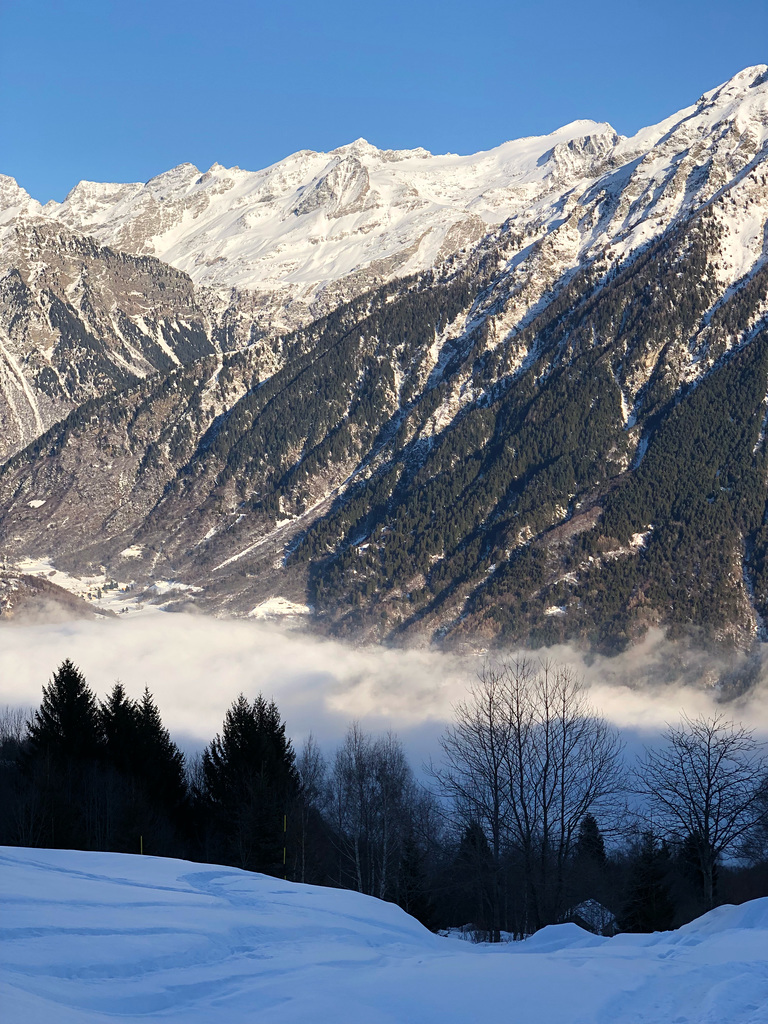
{"points": [[529, 814]]}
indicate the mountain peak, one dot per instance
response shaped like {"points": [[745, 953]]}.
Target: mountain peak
{"points": [[738, 86], [752, 76], [359, 147], [217, 168], [14, 200], [184, 170], [11, 190], [582, 127]]}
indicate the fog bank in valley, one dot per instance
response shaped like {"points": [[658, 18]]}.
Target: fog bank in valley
{"points": [[195, 666]]}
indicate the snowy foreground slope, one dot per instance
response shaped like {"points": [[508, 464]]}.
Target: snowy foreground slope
{"points": [[97, 937]]}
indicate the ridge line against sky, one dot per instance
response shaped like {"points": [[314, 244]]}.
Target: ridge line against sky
{"points": [[108, 90]]}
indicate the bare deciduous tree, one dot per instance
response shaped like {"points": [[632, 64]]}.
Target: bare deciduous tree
{"points": [[527, 757], [312, 774], [565, 762], [475, 773], [704, 788], [13, 727], [371, 797]]}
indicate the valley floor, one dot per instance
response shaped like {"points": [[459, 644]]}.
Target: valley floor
{"points": [[99, 937]]}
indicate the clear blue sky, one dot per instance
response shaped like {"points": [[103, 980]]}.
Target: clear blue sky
{"points": [[116, 91]]}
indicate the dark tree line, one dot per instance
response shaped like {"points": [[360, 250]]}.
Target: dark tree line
{"points": [[530, 823], [93, 775]]}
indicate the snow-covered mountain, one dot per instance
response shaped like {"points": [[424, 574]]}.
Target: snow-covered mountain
{"points": [[365, 215], [267, 250], [100, 937], [446, 448], [316, 218]]}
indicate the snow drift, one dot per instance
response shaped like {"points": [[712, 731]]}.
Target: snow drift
{"points": [[97, 936]]}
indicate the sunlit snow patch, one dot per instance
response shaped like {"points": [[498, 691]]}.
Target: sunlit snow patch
{"points": [[134, 551], [277, 607], [100, 590]]}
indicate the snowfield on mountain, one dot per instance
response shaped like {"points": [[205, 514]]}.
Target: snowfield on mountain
{"points": [[98, 937], [313, 219]]}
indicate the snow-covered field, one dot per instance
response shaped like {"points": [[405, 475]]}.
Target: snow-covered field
{"points": [[100, 937], [104, 593]]}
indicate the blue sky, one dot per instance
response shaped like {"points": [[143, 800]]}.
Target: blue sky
{"points": [[116, 91]]}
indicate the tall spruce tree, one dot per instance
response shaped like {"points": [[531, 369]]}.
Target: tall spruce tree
{"points": [[649, 906], [120, 723], [590, 844], [413, 887], [64, 766], [67, 725], [472, 883], [251, 780], [150, 783], [158, 760], [587, 875]]}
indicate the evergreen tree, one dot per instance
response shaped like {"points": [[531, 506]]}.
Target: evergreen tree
{"points": [[64, 766], [473, 873], [413, 895], [150, 783], [120, 723], [587, 876], [250, 780], [140, 747], [158, 760], [649, 906], [590, 844], [67, 725]]}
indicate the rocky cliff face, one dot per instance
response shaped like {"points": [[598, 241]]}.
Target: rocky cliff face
{"points": [[554, 429], [79, 320]]}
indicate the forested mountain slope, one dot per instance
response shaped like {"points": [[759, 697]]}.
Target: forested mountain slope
{"points": [[557, 433]]}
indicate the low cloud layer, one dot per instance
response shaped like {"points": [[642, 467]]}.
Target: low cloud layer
{"points": [[196, 666]]}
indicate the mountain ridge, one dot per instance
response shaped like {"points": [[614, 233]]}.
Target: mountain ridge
{"points": [[481, 451]]}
